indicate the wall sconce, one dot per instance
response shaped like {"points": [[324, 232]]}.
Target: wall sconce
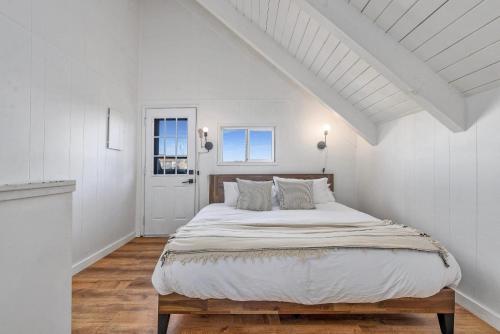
{"points": [[203, 139], [322, 144]]}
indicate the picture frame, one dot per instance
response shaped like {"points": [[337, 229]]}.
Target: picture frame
{"points": [[115, 130]]}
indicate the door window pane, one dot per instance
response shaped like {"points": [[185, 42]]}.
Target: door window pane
{"points": [[159, 146], [170, 128], [157, 166], [261, 145], [182, 127], [182, 146], [160, 128], [170, 147], [182, 166], [234, 147], [168, 164]]}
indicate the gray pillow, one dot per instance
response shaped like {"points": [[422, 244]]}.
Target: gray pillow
{"points": [[255, 195], [296, 194]]}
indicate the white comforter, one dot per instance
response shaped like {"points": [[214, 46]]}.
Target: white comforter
{"points": [[342, 275]]}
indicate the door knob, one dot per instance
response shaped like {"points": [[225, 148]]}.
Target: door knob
{"points": [[190, 181]]}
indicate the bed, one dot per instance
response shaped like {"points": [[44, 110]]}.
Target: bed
{"points": [[355, 281]]}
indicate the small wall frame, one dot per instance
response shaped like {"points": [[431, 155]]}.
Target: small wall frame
{"points": [[115, 130]]}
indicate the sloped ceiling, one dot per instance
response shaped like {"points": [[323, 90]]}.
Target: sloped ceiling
{"points": [[329, 58], [458, 39], [350, 50]]}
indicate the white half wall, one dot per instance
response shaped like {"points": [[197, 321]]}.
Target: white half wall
{"points": [[189, 58], [62, 64], [447, 184], [35, 257]]}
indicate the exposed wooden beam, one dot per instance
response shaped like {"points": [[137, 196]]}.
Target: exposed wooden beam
{"points": [[393, 60], [286, 63]]}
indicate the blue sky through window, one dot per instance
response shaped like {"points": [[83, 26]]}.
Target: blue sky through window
{"points": [[235, 145], [261, 145]]}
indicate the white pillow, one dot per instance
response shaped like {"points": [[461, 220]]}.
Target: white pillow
{"points": [[321, 190], [231, 193], [274, 198], [331, 193]]}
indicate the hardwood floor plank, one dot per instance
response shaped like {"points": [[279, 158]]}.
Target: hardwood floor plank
{"points": [[115, 295]]}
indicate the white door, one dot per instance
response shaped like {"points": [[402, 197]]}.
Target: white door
{"points": [[170, 168]]}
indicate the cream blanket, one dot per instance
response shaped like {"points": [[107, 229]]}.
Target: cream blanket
{"points": [[211, 240]]}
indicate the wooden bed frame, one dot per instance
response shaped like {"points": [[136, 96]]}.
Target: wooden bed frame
{"points": [[442, 303]]}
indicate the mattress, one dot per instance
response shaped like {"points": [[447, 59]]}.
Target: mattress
{"points": [[340, 275]]}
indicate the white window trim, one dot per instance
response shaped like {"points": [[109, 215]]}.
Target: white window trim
{"points": [[247, 162]]}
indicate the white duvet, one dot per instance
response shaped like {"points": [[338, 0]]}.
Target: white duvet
{"points": [[342, 275]]}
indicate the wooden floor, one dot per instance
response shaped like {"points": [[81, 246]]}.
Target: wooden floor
{"points": [[115, 295]]}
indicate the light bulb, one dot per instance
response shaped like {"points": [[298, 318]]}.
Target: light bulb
{"points": [[326, 128], [205, 130]]}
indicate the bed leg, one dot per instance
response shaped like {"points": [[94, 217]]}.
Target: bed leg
{"points": [[163, 323], [446, 322]]}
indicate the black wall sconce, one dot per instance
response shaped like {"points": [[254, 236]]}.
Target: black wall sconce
{"points": [[204, 141], [322, 144]]}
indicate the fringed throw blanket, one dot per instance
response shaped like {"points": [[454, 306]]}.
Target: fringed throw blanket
{"points": [[211, 240]]}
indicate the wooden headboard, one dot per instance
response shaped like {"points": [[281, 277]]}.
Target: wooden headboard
{"points": [[216, 188]]}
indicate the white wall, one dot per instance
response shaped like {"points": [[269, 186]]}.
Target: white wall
{"points": [[188, 57], [447, 184], [35, 256], [62, 63]]}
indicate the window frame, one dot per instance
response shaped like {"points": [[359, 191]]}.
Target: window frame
{"points": [[165, 156], [248, 161]]}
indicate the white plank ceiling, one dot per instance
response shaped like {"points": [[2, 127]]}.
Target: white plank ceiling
{"points": [[458, 39], [330, 59]]}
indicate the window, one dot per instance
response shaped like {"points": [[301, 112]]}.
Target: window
{"points": [[242, 145], [170, 146]]}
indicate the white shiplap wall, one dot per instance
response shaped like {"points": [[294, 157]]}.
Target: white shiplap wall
{"points": [[447, 184], [328, 58], [459, 39], [62, 63], [181, 64]]}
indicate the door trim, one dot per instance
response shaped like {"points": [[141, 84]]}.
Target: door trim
{"points": [[140, 224]]}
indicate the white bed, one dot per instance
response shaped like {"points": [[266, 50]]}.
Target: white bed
{"points": [[342, 275]]}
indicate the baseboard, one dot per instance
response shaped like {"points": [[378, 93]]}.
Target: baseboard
{"points": [[89, 260], [483, 312]]}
